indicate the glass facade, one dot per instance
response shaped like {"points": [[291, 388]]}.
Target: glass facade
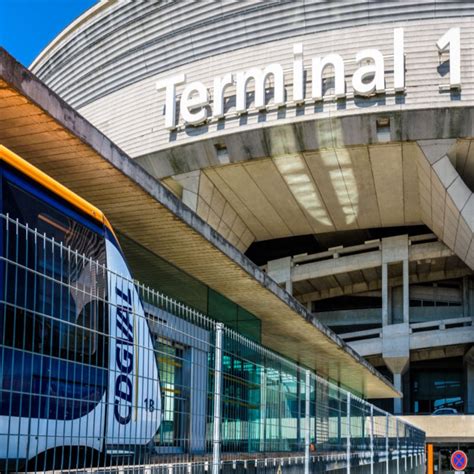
{"points": [[436, 384], [156, 272]]}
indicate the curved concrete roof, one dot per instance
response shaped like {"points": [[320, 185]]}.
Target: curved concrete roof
{"points": [[118, 43]]}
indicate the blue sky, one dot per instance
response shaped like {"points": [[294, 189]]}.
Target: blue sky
{"points": [[27, 26]]}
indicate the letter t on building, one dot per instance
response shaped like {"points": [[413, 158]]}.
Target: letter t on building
{"points": [[170, 84]]}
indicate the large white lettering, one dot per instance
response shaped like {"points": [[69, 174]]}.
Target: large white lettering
{"points": [[260, 78], [170, 98], [369, 78], [199, 104], [194, 97], [319, 64]]}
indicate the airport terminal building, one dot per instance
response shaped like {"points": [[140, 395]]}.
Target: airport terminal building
{"points": [[329, 142]]}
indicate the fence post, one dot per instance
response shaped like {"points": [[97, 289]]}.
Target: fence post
{"points": [[371, 439], [216, 438], [308, 421], [387, 470], [405, 450], [263, 410], [348, 434], [398, 451]]}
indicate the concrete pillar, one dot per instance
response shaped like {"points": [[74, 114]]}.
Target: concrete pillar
{"points": [[384, 294], [398, 402], [280, 271], [406, 290], [396, 355], [395, 334]]}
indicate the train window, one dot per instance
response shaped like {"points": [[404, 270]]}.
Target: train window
{"points": [[55, 294], [46, 219]]}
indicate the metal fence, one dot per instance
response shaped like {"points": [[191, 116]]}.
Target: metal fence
{"points": [[99, 372]]}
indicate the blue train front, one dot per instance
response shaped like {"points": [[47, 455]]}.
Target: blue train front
{"points": [[79, 374]]}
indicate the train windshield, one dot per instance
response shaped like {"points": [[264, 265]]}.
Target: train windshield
{"points": [[54, 294]]}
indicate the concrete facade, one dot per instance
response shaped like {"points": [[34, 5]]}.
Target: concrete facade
{"points": [[380, 185]]}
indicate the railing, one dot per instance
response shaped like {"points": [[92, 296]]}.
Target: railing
{"points": [[439, 325], [89, 379], [340, 251]]}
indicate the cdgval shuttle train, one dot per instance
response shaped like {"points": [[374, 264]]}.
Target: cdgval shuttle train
{"points": [[79, 377]]}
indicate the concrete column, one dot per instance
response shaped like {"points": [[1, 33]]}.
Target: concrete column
{"points": [[398, 402], [280, 271], [384, 294], [394, 250], [396, 355], [406, 290]]}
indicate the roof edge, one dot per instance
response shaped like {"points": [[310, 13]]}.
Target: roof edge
{"points": [[80, 20]]}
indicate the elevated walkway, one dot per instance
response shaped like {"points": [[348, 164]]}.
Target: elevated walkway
{"points": [[433, 334]]}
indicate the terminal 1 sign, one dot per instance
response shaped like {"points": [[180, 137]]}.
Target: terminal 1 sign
{"points": [[196, 106]]}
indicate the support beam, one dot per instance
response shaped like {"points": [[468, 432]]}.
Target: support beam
{"points": [[398, 402], [377, 284], [443, 192], [365, 260]]}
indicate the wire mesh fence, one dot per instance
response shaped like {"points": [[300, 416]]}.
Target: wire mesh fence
{"points": [[100, 373]]}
